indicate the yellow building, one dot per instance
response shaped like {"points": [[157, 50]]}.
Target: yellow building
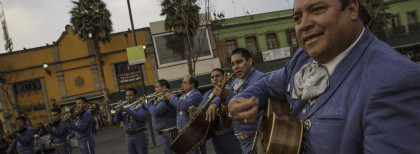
{"points": [[28, 87]]}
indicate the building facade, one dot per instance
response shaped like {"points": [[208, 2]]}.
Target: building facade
{"points": [[35, 80]]}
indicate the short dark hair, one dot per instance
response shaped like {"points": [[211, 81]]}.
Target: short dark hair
{"points": [[58, 110], [133, 90], [363, 13], [244, 53], [219, 70], [195, 81], [84, 100], [21, 118], [163, 82]]}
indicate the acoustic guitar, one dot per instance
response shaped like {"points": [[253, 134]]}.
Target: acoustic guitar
{"points": [[278, 132], [197, 129]]}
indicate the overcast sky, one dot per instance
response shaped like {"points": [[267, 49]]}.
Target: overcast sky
{"points": [[33, 23]]}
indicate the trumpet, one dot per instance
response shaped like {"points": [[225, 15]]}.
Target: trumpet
{"points": [[160, 96]]}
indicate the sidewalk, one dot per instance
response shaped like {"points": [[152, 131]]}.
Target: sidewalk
{"points": [[111, 140]]}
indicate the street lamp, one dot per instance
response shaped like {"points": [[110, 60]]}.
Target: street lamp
{"points": [[45, 66]]}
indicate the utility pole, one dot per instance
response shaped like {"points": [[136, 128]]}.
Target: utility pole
{"points": [[141, 71]]}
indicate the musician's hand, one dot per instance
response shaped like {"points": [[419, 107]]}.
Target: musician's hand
{"points": [[68, 138], [221, 92], [49, 143], [142, 102], [168, 95], [211, 112], [191, 110], [244, 110]]}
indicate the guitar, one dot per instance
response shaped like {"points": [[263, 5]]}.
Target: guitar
{"points": [[197, 128], [278, 132]]}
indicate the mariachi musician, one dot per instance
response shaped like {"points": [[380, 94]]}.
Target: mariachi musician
{"points": [[164, 116], [191, 97], [82, 128], [246, 75], [23, 138], [134, 117], [224, 140], [59, 130]]}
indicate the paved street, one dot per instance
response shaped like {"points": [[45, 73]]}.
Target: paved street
{"points": [[111, 140]]}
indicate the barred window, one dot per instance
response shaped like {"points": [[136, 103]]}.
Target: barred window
{"points": [[272, 41], [412, 17], [395, 20], [27, 86], [251, 45], [230, 46]]}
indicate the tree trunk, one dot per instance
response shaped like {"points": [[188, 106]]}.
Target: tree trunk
{"points": [[188, 55], [102, 79]]}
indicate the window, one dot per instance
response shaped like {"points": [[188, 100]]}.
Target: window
{"points": [[412, 17], [230, 46], [251, 45], [27, 86], [170, 50], [271, 41], [395, 20]]}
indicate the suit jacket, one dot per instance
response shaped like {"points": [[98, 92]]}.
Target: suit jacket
{"points": [[182, 117], [252, 77], [83, 125], [135, 117], [59, 132], [164, 114], [371, 105], [23, 141]]}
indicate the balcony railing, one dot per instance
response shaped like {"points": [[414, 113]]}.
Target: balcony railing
{"points": [[414, 27], [398, 30]]}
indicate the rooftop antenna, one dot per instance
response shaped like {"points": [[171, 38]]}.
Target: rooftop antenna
{"points": [[9, 44]]}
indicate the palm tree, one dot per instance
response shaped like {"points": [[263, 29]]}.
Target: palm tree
{"points": [[183, 19], [378, 18], [91, 21]]}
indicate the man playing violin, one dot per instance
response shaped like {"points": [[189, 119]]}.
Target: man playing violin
{"points": [[134, 119], [23, 138], [58, 131], [164, 117], [83, 126], [224, 140]]}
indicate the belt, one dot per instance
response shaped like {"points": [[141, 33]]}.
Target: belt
{"points": [[167, 130], [59, 144], [24, 152], [79, 138], [242, 137], [135, 131], [221, 132]]}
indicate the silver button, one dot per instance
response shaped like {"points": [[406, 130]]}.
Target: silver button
{"points": [[307, 125], [304, 111]]}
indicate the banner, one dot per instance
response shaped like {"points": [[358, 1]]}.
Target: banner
{"points": [[275, 54], [135, 55]]}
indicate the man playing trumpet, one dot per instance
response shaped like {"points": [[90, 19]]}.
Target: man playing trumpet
{"points": [[23, 138], [134, 119], [164, 116]]}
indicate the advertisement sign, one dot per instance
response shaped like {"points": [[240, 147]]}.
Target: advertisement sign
{"points": [[274, 54]]}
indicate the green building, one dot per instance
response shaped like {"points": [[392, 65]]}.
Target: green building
{"points": [[268, 36], [404, 27]]}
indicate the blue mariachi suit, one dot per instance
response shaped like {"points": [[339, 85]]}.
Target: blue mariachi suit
{"points": [[227, 142], [370, 106], [134, 118], [24, 141], [249, 129], [164, 117], [58, 137], [182, 103], [83, 132]]}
